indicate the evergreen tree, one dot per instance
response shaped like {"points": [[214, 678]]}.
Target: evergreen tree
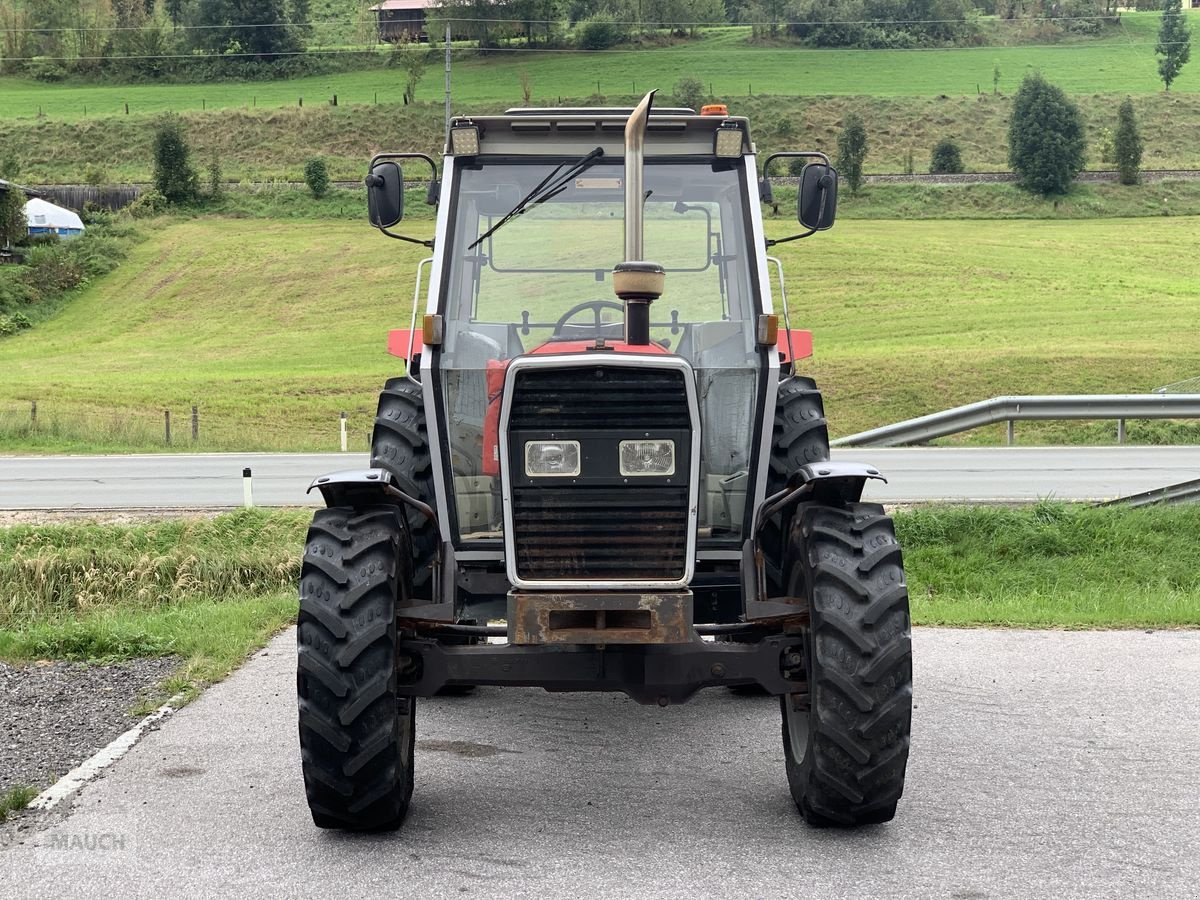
{"points": [[1127, 144], [1174, 42], [852, 150], [257, 27], [174, 176], [1045, 137], [301, 17], [946, 158]]}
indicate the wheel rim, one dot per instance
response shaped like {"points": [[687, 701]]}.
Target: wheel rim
{"points": [[797, 726]]}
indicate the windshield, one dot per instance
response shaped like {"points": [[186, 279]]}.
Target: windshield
{"points": [[545, 278]]}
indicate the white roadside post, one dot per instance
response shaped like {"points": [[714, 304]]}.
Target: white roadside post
{"points": [[343, 427], [247, 489]]}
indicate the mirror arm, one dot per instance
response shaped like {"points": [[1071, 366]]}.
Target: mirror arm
{"points": [[411, 240], [771, 242]]}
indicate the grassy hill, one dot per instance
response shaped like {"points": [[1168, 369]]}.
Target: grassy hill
{"points": [[273, 328], [1123, 62], [268, 144]]}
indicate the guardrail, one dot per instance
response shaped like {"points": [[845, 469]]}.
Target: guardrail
{"points": [[1014, 409], [1183, 492]]}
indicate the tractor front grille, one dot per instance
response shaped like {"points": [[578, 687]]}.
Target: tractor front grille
{"points": [[599, 526]]}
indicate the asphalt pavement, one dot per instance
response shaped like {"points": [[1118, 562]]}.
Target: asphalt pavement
{"points": [[280, 479], [1044, 764]]}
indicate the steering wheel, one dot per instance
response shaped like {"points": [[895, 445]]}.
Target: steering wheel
{"points": [[595, 306]]}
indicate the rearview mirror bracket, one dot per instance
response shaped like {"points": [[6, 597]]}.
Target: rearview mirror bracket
{"points": [[393, 158], [828, 194]]}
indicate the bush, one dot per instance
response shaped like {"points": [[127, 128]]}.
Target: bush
{"points": [[946, 158], [1045, 137], [852, 150], [148, 204], [13, 227], [600, 32], [1127, 144], [174, 177], [690, 92], [316, 176]]}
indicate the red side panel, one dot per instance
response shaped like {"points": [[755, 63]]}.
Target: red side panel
{"points": [[398, 342], [801, 346], [557, 347]]}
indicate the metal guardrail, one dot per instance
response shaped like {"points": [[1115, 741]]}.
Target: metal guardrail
{"points": [[1183, 492], [1014, 409]]}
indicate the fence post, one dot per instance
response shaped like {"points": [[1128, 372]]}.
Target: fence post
{"points": [[167, 425], [195, 423], [1120, 431], [343, 428], [33, 413], [301, 102], [1011, 436]]}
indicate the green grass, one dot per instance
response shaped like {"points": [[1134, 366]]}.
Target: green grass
{"points": [[273, 328], [1052, 565], [208, 591], [15, 800], [1122, 62], [261, 145]]}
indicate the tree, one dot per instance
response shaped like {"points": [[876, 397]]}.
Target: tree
{"points": [[256, 27], [1045, 137], [413, 57], [1127, 144], [946, 158], [174, 176], [301, 16], [1174, 42], [316, 176], [13, 225], [690, 92], [852, 150]]}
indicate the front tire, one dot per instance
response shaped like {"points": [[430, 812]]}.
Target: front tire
{"points": [[356, 733], [846, 740]]}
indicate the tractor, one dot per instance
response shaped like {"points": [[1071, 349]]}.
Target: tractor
{"points": [[600, 470]]}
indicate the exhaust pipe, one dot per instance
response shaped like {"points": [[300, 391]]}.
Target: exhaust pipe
{"points": [[637, 282]]}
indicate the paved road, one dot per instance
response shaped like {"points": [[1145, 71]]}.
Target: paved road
{"points": [[215, 480], [1045, 764]]}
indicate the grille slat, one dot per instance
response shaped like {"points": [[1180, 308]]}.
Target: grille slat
{"points": [[604, 532]]}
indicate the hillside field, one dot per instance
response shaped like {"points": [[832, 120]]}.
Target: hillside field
{"points": [[1123, 62], [273, 328]]}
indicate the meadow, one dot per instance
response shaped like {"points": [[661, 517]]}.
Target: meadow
{"points": [[273, 328], [1122, 62]]}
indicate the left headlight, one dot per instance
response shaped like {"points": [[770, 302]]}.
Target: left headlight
{"points": [[647, 457], [544, 458]]}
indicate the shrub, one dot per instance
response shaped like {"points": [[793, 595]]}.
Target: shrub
{"points": [[316, 176], [148, 204], [174, 177], [216, 181], [1127, 144], [13, 225], [1045, 137], [600, 32], [690, 92], [852, 150], [946, 158]]}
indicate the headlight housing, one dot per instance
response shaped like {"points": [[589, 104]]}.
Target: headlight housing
{"points": [[647, 457], [545, 459]]}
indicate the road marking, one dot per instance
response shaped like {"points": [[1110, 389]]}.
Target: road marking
{"points": [[101, 760]]}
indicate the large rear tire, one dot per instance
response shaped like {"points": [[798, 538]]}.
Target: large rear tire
{"points": [[846, 741], [356, 733], [400, 444]]}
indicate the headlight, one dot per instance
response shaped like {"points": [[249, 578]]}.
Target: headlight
{"points": [[543, 458], [647, 457]]}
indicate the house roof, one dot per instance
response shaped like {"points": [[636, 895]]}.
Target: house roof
{"points": [[404, 4], [10, 185]]}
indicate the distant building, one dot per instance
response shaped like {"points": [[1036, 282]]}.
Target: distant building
{"points": [[397, 19], [46, 218]]}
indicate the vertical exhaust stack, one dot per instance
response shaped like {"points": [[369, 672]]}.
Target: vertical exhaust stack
{"points": [[637, 282]]}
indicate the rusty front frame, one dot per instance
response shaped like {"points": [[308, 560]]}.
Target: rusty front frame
{"points": [[536, 617]]}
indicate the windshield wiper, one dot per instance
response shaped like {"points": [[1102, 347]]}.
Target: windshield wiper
{"points": [[553, 184]]}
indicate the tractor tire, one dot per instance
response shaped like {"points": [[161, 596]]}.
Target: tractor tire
{"points": [[356, 733], [846, 741], [400, 444], [800, 435]]}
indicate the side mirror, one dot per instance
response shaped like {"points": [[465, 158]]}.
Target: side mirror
{"points": [[385, 195], [817, 197]]}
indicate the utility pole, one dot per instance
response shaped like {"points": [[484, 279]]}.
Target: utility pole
{"points": [[447, 82]]}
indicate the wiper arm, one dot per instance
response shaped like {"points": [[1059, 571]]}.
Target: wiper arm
{"points": [[550, 186]]}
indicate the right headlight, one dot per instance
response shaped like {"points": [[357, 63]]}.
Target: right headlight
{"points": [[647, 457]]}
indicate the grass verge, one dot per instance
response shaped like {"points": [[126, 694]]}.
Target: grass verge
{"points": [[207, 590]]}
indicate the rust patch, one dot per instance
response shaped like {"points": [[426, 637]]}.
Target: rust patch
{"points": [[610, 618]]}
